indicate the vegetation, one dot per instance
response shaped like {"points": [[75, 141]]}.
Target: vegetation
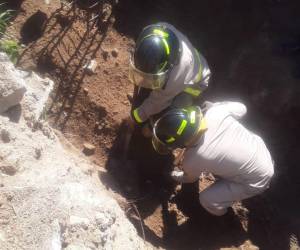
{"points": [[8, 44], [5, 16], [11, 48]]}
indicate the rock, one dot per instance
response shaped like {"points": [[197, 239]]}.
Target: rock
{"points": [[38, 153], [12, 86], [5, 136], [8, 170], [91, 66], [37, 202], [88, 149], [105, 55], [75, 220], [38, 91], [2, 237], [85, 91], [77, 247], [115, 53]]}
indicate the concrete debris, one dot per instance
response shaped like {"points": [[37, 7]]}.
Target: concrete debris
{"points": [[12, 86], [51, 203], [38, 153], [75, 221], [36, 97], [5, 136], [8, 170], [88, 149], [91, 66]]}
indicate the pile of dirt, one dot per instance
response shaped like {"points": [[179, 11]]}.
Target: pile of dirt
{"points": [[254, 57]]}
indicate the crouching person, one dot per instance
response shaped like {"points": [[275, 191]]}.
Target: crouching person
{"points": [[216, 142]]}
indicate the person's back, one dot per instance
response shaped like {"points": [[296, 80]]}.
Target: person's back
{"points": [[230, 150], [216, 143]]}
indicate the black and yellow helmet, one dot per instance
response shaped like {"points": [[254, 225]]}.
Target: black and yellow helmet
{"points": [[177, 128], [157, 50]]}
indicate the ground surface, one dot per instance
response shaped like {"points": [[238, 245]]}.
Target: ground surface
{"points": [[253, 50]]}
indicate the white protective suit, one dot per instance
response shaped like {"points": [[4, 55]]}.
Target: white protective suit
{"points": [[231, 152], [190, 76]]}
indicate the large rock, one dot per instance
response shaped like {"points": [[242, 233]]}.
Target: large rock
{"points": [[50, 197], [12, 85]]}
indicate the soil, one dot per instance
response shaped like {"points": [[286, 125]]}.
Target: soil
{"points": [[253, 50]]}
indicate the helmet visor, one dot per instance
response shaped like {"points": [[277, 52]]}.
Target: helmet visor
{"points": [[160, 147], [145, 80]]}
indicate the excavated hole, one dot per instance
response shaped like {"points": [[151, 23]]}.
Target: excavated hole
{"points": [[241, 42]]}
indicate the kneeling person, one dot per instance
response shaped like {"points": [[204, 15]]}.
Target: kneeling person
{"points": [[219, 144]]}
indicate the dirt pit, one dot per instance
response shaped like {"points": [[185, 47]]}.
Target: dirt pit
{"points": [[246, 44]]}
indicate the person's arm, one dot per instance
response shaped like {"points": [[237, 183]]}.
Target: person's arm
{"points": [[157, 101], [237, 109]]}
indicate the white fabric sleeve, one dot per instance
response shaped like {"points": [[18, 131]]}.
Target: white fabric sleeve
{"points": [[155, 103], [236, 109]]}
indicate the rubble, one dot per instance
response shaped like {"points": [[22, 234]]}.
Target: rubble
{"points": [[91, 66], [48, 200], [88, 149], [12, 86]]}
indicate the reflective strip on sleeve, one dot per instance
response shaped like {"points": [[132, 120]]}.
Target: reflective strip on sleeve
{"points": [[193, 92], [181, 127], [170, 140], [136, 116], [199, 74]]}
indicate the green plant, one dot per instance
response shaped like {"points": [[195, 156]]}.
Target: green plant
{"points": [[5, 16], [7, 43], [11, 48]]}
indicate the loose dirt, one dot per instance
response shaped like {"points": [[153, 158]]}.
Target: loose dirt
{"points": [[243, 44]]}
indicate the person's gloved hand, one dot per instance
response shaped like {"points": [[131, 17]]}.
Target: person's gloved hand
{"points": [[129, 122], [177, 175], [146, 131]]}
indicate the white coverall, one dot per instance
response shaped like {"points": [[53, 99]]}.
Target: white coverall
{"points": [[190, 76], [230, 151]]}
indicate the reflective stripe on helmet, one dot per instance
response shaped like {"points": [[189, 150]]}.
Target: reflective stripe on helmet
{"points": [[136, 116], [182, 127], [166, 46], [192, 91], [193, 117], [161, 33]]}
